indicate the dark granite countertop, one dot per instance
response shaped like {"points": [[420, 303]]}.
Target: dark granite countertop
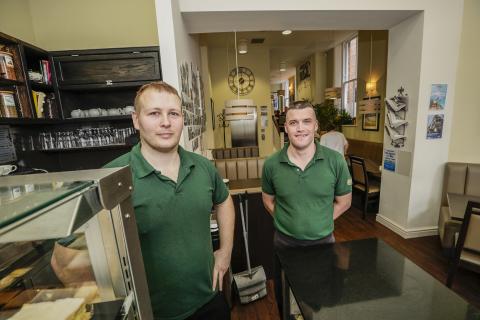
{"points": [[367, 279]]}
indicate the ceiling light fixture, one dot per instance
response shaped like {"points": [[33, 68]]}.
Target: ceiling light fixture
{"points": [[283, 66], [286, 32], [242, 46]]}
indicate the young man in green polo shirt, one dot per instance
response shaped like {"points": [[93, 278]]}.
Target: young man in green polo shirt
{"points": [[305, 186], [174, 192]]}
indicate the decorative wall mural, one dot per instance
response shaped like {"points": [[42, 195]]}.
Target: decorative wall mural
{"points": [[304, 71], [396, 111], [193, 105]]}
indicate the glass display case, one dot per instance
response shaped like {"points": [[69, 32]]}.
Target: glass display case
{"points": [[69, 247]]}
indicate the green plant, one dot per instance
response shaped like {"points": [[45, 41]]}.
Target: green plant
{"points": [[328, 115], [345, 117]]}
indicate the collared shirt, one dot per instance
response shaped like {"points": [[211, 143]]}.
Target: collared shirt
{"points": [[173, 220], [304, 198]]}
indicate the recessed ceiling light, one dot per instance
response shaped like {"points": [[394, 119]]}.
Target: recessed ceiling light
{"points": [[286, 32], [283, 66]]}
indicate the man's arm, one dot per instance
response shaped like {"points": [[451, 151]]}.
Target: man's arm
{"points": [[345, 147], [226, 224], [268, 202], [341, 204]]}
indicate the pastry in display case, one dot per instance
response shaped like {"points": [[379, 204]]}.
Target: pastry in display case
{"points": [[69, 247]]}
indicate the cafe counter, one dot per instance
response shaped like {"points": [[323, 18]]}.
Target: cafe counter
{"points": [[69, 244]]}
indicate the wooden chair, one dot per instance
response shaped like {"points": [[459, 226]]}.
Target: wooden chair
{"points": [[370, 189], [468, 245]]}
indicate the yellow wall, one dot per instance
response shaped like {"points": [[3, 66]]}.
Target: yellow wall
{"points": [[88, 24], [16, 20], [312, 89], [466, 115], [379, 74], [257, 60], [306, 87]]}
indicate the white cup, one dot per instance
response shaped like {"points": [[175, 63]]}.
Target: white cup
{"points": [[113, 112], [129, 109], [7, 169], [77, 113], [94, 112]]}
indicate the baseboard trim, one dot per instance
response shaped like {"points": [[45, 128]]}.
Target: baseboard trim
{"points": [[407, 233]]}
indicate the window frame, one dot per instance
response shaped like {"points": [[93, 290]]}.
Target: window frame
{"points": [[345, 81]]}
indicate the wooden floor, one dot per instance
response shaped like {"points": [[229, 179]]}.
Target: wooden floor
{"points": [[425, 252]]}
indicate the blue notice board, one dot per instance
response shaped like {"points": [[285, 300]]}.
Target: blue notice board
{"points": [[389, 160]]}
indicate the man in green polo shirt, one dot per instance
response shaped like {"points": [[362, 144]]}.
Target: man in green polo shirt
{"points": [[174, 192], [305, 186]]}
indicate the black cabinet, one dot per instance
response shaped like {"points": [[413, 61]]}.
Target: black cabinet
{"points": [[107, 67], [104, 79], [101, 79]]}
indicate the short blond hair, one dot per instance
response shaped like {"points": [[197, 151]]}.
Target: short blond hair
{"points": [[298, 105], [158, 86]]}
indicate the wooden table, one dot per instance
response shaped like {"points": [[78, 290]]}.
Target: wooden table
{"points": [[373, 167], [457, 203], [249, 185]]}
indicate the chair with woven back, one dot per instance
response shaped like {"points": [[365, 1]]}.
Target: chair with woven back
{"points": [[467, 251], [370, 190]]}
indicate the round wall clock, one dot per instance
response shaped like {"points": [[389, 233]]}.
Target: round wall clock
{"points": [[242, 83]]}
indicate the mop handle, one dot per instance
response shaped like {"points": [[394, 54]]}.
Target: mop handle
{"points": [[245, 237], [246, 212]]}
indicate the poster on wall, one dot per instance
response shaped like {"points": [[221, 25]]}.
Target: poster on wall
{"points": [[438, 96], [389, 160], [435, 126]]}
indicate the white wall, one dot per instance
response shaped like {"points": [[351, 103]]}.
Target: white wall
{"points": [[405, 40], [440, 52], [177, 45], [421, 53]]}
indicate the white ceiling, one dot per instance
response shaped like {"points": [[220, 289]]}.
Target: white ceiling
{"points": [[291, 49], [312, 30], [222, 21]]}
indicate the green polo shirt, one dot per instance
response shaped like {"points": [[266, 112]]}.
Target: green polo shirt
{"points": [[304, 199], [173, 222]]}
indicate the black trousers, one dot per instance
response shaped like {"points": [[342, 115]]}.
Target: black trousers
{"points": [[281, 240], [215, 309]]}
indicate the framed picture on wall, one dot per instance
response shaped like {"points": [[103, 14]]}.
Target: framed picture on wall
{"points": [[370, 121]]}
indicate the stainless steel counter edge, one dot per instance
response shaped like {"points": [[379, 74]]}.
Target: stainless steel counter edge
{"points": [[113, 189]]}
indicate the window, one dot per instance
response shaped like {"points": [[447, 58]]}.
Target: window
{"points": [[349, 76]]}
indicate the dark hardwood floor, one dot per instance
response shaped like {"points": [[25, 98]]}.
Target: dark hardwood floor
{"points": [[425, 252]]}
